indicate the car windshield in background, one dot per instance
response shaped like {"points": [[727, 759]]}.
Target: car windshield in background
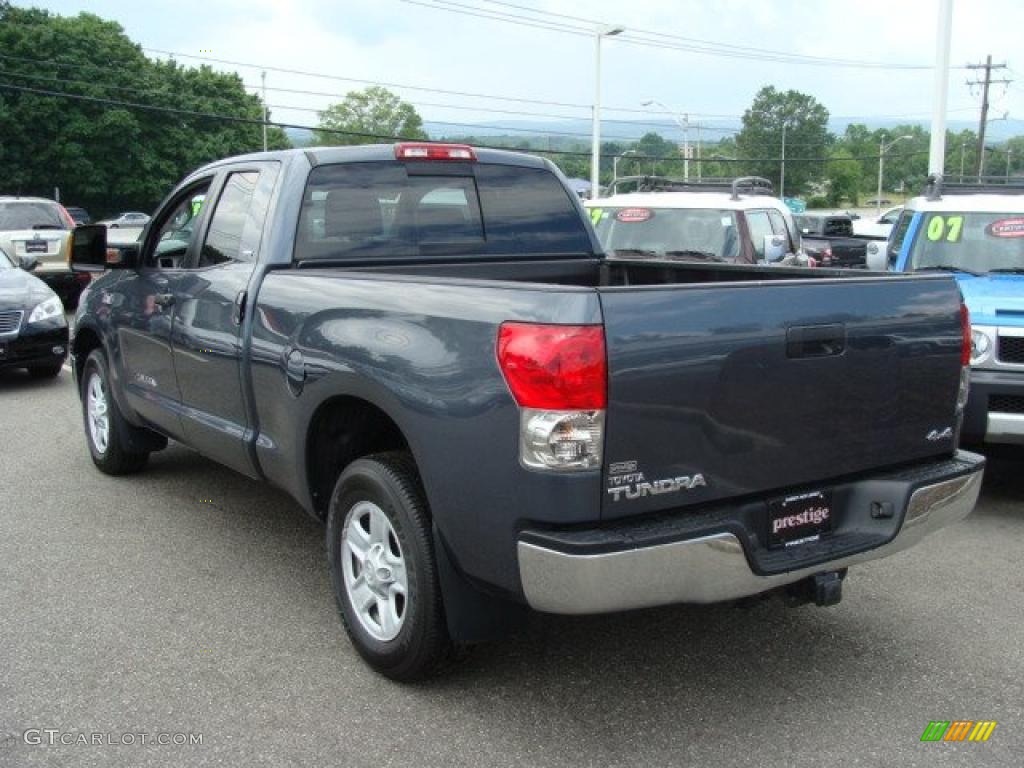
{"points": [[366, 210], [971, 242], [684, 233], [29, 215]]}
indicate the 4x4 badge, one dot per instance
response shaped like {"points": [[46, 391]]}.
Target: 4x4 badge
{"points": [[935, 435]]}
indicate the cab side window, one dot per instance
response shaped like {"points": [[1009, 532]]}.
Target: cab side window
{"points": [[176, 228], [899, 233], [760, 226], [780, 228], [233, 209]]}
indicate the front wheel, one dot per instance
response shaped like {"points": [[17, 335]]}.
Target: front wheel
{"points": [[381, 558], [105, 427]]}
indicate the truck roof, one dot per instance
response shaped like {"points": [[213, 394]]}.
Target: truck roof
{"points": [[366, 153], [979, 203]]}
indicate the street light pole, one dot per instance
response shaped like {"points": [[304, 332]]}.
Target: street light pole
{"points": [[595, 149], [963, 145], [615, 162], [684, 125], [882, 149], [782, 174], [263, 78], [1009, 154]]}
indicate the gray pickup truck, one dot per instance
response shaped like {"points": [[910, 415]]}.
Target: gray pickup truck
{"points": [[424, 345]]}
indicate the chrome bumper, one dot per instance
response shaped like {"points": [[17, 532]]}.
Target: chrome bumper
{"points": [[1005, 428], [709, 569]]}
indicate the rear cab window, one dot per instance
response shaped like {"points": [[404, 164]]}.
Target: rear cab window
{"points": [[389, 210]]}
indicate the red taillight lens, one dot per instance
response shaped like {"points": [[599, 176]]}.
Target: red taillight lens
{"points": [[409, 151], [66, 216], [554, 367], [965, 329]]}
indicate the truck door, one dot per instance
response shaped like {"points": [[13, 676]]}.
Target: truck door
{"points": [[142, 306], [211, 307]]}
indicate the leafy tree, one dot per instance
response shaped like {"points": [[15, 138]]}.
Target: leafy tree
{"points": [[843, 177], [807, 137], [375, 112], [106, 156]]}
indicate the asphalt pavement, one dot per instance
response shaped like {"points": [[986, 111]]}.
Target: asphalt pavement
{"points": [[190, 600]]}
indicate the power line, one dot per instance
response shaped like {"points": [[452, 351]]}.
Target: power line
{"points": [[716, 44], [387, 137], [650, 38]]}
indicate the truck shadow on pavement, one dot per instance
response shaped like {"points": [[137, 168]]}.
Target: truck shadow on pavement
{"points": [[576, 679], [17, 379]]}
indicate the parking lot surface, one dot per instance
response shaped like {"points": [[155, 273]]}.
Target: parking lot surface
{"points": [[189, 599]]}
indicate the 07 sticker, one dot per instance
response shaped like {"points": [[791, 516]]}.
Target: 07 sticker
{"points": [[948, 228]]}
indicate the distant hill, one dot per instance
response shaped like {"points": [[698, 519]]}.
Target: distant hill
{"points": [[998, 130], [563, 131]]}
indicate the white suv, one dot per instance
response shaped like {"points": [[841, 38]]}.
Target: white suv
{"points": [[738, 221]]}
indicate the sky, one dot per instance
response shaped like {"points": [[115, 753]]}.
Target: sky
{"points": [[418, 43]]}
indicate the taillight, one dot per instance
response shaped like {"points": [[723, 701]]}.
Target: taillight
{"points": [[965, 332], [66, 216], [558, 376], [424, 151], [965, 360]]}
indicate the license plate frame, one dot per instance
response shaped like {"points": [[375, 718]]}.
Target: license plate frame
{"points": [[799, 519]]}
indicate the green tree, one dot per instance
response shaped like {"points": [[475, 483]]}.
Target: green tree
{"points": [[807, 137], [844, 178], [102, 155], [372, 115]]}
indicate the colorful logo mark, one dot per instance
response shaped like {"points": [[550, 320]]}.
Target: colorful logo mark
{"points": [[958, 730]]}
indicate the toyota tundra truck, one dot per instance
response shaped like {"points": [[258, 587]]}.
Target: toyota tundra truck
{"points": [[425, 346]]}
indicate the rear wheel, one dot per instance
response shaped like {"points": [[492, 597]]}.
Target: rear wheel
{"points": [[383, 570], [105, 427]]}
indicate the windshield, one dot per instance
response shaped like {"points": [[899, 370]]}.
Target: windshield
{"points": [[970, 242], [695, 233], [28, 215]]}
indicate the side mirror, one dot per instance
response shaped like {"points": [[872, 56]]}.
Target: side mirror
{"points": [[89, 251], [28, 262], [875, 258], [774, 248]]}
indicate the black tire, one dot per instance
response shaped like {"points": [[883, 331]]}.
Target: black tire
{"points": [[45, 371], [391, 483], [115, 458]]}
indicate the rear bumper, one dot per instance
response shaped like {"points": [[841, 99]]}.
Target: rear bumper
{"points": [[995, 408], [715, 566]]}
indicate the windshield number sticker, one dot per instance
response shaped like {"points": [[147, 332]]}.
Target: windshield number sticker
{"points": [[595, 215], [948, 228], [1006, 228], [634, 215]]}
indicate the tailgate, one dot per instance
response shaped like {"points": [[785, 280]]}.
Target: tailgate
{"points": [[722, 390]]}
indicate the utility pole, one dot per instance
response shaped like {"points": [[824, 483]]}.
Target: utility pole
{"points": [[988, 66], [263, 78]]}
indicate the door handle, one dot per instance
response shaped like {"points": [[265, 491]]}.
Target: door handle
{"points": [[238, 308], [816, 340], [163, 299]]}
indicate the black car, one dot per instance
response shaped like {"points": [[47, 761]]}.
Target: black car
{"points": [[33, 330], [80, 215]]}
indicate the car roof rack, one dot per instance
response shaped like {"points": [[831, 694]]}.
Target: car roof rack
{"points": [[751, 185], [936, 186]]}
